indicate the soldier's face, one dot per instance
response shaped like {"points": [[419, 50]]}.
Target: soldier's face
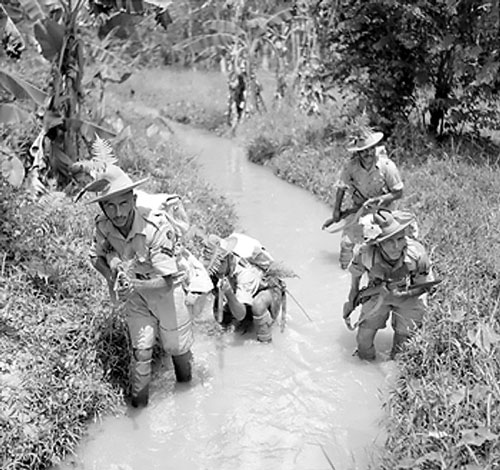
{"points": [[367, 157], [119, 209], [393, 247]]}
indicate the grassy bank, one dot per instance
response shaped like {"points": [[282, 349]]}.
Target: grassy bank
{"points": [[63, 349], [443, 411]]}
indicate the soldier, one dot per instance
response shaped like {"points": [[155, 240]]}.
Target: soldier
{"points": [[247, 292], [399, 275], [372, 179], [134, 251]]}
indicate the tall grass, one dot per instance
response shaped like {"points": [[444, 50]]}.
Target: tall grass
{"points": [[63, 348]]}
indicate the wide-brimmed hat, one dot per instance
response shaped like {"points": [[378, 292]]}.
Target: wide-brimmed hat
{"points": [[364, 140], [384, 224], [216, 250], [112, 182]]}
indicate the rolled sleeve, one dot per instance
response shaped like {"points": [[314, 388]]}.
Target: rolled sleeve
{"points": [[356, 267], [100, 246], [345, 177], [392, 177], [162, 251]]}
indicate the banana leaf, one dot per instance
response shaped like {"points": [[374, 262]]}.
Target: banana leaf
{"points": [[206, 42], [21, 89], [11, 114], [50, 36], [11, 167], [88, 130]]}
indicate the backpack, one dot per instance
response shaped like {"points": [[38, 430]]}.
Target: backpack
{"points": [[170, 204], [251, 250]]}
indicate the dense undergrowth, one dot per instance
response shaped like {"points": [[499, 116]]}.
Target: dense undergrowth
{"points": [[63, 348], [443, 411]]}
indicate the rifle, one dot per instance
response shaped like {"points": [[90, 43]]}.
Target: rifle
{"points": [[220, 303], [357, 214], [122, 282], [368, 292], [382, 290]]}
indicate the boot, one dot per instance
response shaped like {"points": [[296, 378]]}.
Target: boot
{"points": [[141, 376], [183, 366], [141, 398]]}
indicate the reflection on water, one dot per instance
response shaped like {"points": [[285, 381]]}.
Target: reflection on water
{"points": [[302, 402]]}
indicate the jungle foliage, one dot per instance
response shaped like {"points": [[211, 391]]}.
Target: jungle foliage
{"points": [[438, 59]]}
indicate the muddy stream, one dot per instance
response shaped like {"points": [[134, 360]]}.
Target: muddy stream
{"points": [[302, 402]]}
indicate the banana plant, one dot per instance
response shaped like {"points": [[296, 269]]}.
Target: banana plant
{"points": [[62, 134], [242, 41]]}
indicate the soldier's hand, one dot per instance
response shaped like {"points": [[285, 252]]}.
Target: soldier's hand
{"points": [[337, 215], [225, 286], [348, 309], [327, 223], [123, 285], [373, 202]]}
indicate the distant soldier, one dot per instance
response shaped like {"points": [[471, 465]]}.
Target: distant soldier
{"points": [[237, 85], [399, 275], [134, 251], [372, 180]]}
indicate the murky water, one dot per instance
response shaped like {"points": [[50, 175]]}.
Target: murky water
{"points": [[303, 402]]}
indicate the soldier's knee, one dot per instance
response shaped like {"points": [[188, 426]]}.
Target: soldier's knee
{"points": [[261, 303], [143, 355]]}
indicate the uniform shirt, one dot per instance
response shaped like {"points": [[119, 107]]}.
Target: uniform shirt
{"points": [[382, 178], [413, 267], [246, 280], [148, 250]]}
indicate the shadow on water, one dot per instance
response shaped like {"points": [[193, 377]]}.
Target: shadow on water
{"points": [[302, 402]]}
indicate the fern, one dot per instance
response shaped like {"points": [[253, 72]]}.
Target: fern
{"points": [[102, 157]]}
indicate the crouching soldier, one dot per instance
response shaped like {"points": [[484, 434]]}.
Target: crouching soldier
{"points": [[134, 250], [399, 275], [246, 291]]}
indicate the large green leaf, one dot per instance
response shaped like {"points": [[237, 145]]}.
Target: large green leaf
{"points": [[10, 37], [50, 36], [12, 169], [206, 42], [10, 113], [89, 129], [21, 89]]}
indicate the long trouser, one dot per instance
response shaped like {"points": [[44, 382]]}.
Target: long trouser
{"points": [[407, 315], [157, 313], [351, 235]]}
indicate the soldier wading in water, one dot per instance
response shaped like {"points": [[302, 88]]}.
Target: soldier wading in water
{"points": [[399, 275], [134, 251]]}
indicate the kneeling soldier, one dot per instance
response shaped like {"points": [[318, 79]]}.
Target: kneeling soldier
{"points": [[247, 292]]}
